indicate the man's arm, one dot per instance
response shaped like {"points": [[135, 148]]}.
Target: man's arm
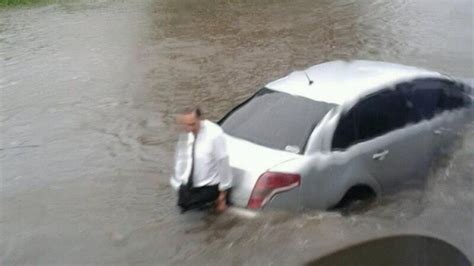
{"points": [[225, 174], [181, 162]]}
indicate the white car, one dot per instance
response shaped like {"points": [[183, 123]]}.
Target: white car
{"points": [[315, 136]]}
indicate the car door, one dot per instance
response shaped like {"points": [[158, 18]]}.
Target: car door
{"points": [[450, 113], [382, 137], [439, 102], [422, 100]]}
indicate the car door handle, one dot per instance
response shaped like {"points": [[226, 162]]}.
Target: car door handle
{"points": [[379, 156], [442, 130]]}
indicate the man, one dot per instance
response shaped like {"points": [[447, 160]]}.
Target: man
{"points": [[202, 172]]}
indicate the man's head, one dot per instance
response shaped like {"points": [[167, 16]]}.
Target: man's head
{"points": [[190, 119]]}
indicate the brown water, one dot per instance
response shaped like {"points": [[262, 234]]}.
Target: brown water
{"points": [[88, 91]]}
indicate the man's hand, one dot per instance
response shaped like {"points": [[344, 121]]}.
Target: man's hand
{"points": [[221, 204]]}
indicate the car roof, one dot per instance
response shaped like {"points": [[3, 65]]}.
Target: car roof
{"points": [[339, 82]]}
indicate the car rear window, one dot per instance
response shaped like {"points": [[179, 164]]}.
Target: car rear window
{"points": [[276, 120]]}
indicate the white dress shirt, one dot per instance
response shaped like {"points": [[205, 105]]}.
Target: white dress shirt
{"points": [[211, 161]]}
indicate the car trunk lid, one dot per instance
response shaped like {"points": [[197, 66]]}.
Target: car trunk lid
{"points": [[248, 162]]}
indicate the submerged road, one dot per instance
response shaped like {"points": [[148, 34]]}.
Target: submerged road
{"points": [[89, 88]]}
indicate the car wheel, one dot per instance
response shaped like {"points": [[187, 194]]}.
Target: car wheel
{"points": [[357, 199]]}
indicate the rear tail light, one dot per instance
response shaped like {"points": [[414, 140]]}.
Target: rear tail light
{"points": [[269, 184]]}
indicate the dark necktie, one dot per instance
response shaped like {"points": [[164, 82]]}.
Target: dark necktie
{"points": [[191, 174]]}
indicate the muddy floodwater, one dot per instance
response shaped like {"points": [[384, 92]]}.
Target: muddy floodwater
{"points": [[88, 91]]}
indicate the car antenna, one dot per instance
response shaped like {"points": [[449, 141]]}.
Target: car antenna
{"points": [[309, 80]]}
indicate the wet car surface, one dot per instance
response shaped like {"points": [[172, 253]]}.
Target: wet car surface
{"points": [[358, 125], [88, 94]]}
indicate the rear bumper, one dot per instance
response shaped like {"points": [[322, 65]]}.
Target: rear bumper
{"points": [[243, 212]]}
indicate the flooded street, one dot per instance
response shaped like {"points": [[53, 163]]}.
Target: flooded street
{"points": [[88, 93]]}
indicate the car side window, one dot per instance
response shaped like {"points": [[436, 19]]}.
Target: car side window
{"points": [[423, 97], [346, 132], [373, 116], [453, 96], [429, 97]]}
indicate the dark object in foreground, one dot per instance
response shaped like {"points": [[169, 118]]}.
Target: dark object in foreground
{"points": [[413, 250]]}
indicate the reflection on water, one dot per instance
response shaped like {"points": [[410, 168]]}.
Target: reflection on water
{"points": [[88, 91]]}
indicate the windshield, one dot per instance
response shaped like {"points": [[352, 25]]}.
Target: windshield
{"points": [[276, 120]]}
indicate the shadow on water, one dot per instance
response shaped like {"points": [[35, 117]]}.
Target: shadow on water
{"points": [[412, 250]]}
